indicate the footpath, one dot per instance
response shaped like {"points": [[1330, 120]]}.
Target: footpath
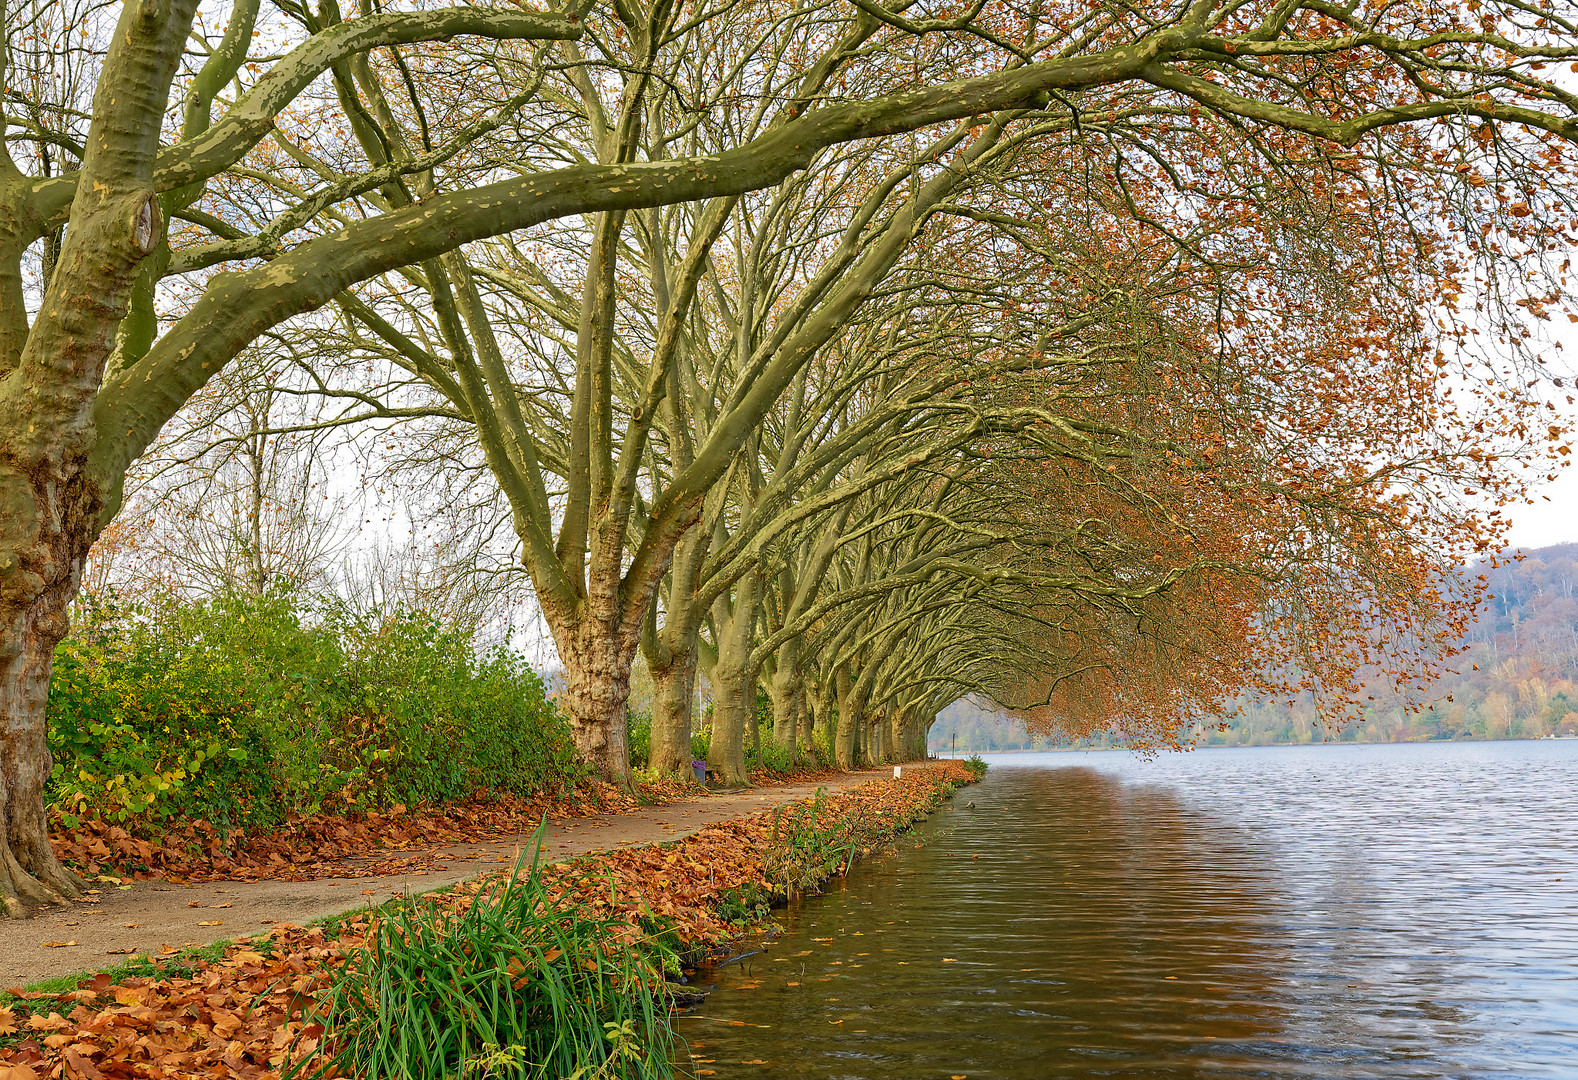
{"points": [[160, 917]]}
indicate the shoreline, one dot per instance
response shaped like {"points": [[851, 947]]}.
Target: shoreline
{"points": [[236, 1010], [1324, 743], [194, 913]]}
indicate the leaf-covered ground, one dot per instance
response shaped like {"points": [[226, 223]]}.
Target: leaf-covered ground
{"points": [[242, 1013], [305, 848]]}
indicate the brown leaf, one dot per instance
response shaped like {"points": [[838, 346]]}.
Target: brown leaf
{"points": [[83, 1066]]}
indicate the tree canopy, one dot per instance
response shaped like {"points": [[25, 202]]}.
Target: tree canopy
{"points": [[1089, 356]]}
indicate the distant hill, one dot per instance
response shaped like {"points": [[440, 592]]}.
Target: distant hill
{"points": [[1518, 679]]}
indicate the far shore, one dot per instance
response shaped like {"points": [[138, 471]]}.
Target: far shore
{"points": [[1324, 743]]}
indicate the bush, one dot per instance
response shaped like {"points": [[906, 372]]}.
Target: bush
{"points": [[639, 727], [701, 743], [771, 757], [977, 768], [243, 710], [520, 984]]}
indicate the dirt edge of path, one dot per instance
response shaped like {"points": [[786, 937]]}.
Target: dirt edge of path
{"points": [[160, 918]]}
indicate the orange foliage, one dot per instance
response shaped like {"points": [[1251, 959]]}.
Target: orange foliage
{"points": [[1271, 433]]}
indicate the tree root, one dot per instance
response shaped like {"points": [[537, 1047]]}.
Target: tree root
{"points": [[21, 892], [31, 882]]}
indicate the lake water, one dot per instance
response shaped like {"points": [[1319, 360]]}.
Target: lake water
{"points": [[1311, 912]]}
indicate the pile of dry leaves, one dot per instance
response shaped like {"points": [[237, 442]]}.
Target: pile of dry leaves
{"points": [[312, 847], [241, 1015]]}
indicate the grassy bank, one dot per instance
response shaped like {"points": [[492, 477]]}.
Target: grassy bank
{"points": [[584, 945]]}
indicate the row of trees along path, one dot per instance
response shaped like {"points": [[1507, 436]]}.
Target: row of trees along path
{"points": [[1105, 361]]}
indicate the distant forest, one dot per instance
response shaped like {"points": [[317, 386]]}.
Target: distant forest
{"points": [[1518, 679]]}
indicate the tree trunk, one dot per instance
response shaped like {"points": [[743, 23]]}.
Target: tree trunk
{"points": [[597, 654], [675, 688], [922, 730], [734, 700], [785, 690], [898, 745], [733, 681], [802, 704], [825, 732], [844, 746], [878, 727], [30, 875]]}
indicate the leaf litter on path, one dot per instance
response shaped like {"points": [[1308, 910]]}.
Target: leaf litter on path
{"points": [[242, 1014]]}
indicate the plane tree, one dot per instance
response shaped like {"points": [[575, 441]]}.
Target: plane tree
{"points": [[1436, 124]]}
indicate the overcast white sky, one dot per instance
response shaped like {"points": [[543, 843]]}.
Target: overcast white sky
{"points": [[1547, 523]]}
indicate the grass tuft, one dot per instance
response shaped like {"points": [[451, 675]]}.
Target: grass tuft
{"points": [[519, 984]]}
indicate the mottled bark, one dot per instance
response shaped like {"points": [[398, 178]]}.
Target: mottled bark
{"points": [[30, 875], [899, 737], [733, 681], [845, 745], [919, 728], [597, 652], [823, 718], [672, 653], [877, 751], [786, 690], [675, 688]]}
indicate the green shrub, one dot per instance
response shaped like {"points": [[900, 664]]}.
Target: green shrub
{"points": [[520, 984], [769, 756], [432, 721], [246, 709], [639, 726], [700, 744], [977, 768]]}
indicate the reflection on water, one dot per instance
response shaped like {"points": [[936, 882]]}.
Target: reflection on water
{"points": [[1323, 912]]}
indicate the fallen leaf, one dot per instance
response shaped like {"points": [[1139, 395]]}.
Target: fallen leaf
{"points": [[212, 922], [82, 1065], [118, 952], [58, 944]]}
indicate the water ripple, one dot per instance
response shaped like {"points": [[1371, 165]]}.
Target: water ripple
{"points": [[1303, 913]]}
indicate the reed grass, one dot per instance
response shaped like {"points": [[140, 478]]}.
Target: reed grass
{"points": [[518, 984]]}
